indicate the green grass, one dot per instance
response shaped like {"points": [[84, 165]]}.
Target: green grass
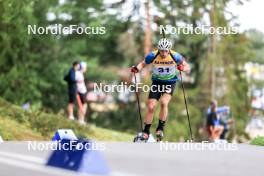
{"points": [[12, 130], [258, 141], [17, 124]]}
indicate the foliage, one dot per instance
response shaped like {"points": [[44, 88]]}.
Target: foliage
{"points": [[258, 141], [17, 124]]}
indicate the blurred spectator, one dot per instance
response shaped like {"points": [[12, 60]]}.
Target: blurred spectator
{"points": [[81, 92], [256, 125], [95, 95], [225, 117], [214, 126], [70, 78]]}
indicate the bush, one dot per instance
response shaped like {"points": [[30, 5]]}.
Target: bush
{"points": [[258, 141]]}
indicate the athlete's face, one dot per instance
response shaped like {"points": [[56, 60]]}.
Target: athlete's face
{"points": [[164, 53]]}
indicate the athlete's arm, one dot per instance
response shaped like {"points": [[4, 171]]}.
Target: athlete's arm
{"points": [[186, 66], [182, 65], [141, 65], [148, 60]]}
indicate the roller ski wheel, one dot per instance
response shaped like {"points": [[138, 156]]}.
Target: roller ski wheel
{"points": [[141, 137], [159, 135]]}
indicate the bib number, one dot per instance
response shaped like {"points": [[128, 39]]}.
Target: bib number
{"points": [[161, 70], [165, 73]]}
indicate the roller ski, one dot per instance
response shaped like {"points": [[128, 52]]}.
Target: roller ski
{"points": [[159, 135], [141, 137]]}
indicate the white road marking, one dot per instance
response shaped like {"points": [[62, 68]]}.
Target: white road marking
{"points": [[30, 166], [23, 157], [38, 164]]}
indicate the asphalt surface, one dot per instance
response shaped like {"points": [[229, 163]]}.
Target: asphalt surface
{"points": [[155, 159]]}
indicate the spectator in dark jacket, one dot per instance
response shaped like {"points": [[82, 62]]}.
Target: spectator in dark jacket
{"points": [[72, 88], [214, 126]]}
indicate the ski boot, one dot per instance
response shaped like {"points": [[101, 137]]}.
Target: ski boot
{"points": [[141, 137], [159, 135]]}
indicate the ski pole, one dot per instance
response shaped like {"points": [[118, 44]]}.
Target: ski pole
{"points": [[186, 107], [138, 103]]}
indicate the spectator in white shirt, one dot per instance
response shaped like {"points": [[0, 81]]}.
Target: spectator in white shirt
{"points": [[81, 92]]}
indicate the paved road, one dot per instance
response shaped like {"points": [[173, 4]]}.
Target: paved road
{"points": [[155, 159]]}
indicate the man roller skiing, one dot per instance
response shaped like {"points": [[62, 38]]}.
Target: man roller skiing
{"points": [[166, 66]]}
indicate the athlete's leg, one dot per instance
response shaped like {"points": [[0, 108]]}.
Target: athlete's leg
{"points": [[152, 103], [154, 96], [164, 102]]}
